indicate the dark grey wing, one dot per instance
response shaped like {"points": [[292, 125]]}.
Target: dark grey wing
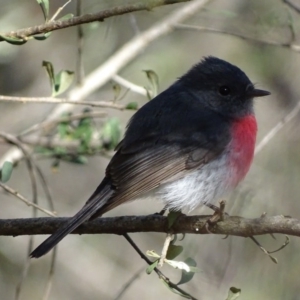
{"points": [[167, 138]]}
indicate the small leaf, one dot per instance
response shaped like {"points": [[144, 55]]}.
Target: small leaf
{"points": [[50, 71], [153, 78], [132, 105], [187, 276], [152, 267], [44, 4], [172, 217], [63, 81], [233, 293], [173, 251], [13, 40], [6, 171], [59, 82], [60, 151], [80, 159], [42, 37], [111, 133], [117, 91]]}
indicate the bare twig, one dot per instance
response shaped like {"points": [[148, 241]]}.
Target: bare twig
{"points": [[292, 5], [45, 126], [157, 271], [27, 202], [165, 249], [25, 33], [277, 128], [25, 269], [131, 86], [107, 104], [116, 62], [127, 285], [289, 44], [51, 274], [60, 9], [80, 69]]}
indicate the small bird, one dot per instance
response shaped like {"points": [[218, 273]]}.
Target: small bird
{"points": [[189, 146]]}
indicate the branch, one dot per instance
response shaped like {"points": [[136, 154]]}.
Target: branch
{"points": [[236, 226], [107, 104], [290, 45], [116, 62], [100, 16]]}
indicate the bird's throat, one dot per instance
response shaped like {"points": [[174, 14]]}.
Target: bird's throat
{"points": [[242, 146]]}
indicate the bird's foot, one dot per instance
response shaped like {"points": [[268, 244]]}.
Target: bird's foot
{"points": [[217, 216]]}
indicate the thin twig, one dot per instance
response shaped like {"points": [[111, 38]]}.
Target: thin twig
{"points": [[116, 62], [127, 285], [292, 5], [80, 69], [289, 44], [131, 86], [60, 9], [25, 33], [107, 104], [27, 202], [157, 271], [50, 275], [272, 133], [164, 250], [45, 126]]}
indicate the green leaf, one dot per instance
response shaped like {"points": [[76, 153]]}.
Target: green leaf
{"points": [[80, 159], [63, 81], [187, 276], [44, 4], [42, 37], [153, 78], [132, 105], [117, 91], [60, 151], [59, 82], [172, 217], [173, 251], [13, 40], [50, 71], [152, 267], [111, 133], [6, 171], [233, 293]]}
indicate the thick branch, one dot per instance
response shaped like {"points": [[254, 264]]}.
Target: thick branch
{"points": [[88, 18], [236, 226]]}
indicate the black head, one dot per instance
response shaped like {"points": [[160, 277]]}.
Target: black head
{"points": [[222, 87]]}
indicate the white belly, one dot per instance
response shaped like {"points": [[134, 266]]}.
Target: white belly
{"points": [[206, 184]]}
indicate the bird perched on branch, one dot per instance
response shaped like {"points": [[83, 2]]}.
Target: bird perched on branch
{"points": [[189, 146]]}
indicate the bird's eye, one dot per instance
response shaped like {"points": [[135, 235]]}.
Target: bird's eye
{"points": [[224, 90]]}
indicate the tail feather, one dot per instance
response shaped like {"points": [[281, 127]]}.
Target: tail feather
{"points": [[93, 205]]}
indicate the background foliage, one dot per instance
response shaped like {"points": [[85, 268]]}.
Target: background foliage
{"points": [[97, 267]]}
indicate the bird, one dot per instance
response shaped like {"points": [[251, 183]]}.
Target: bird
{"points": [[188, 146]]}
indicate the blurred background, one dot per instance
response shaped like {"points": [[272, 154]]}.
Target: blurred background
{"points": [[97, 267]]}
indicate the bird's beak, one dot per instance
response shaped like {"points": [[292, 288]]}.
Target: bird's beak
{"points": [[253, 93]]}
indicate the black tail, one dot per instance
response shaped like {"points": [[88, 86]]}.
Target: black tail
{"points": [[93, 205]]}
